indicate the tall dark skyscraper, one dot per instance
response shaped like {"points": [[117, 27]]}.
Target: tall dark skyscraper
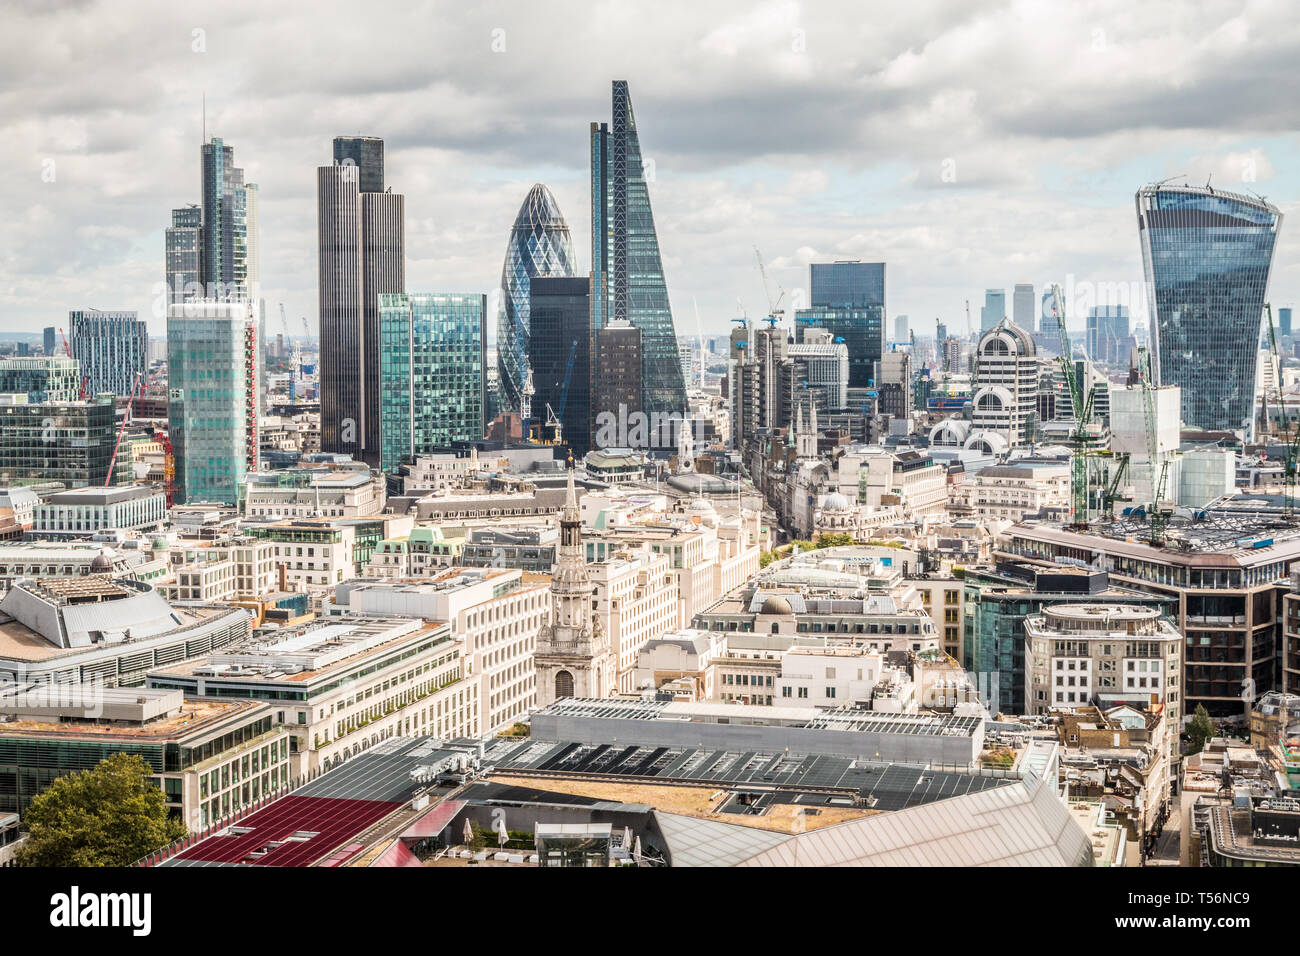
{"points": [[1284, 321], [540, 245], [559, 351], [617, 389], [1207, 255], [848, 300], [627, 272], [367, 154], [362, 255]]}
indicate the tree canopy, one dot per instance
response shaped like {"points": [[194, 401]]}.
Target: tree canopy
{"points": [[112, 815], [1199, 729]]}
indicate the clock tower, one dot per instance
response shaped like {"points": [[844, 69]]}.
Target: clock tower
{"points": [[573, 656]]}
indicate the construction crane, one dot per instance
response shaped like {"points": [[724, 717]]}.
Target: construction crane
{"points": [[1290, 443], [83, 389], [969, 329], [169, 465], [126, 418], [1159, 510], [1084, 438], [526, 399], [555, 425], [772, 304]]}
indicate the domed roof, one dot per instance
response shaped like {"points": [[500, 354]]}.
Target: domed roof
{"points": [[836, 502], [775, 605], [1005, 336], [702, 505], [989, 442], [101, 563], [950, 431]]}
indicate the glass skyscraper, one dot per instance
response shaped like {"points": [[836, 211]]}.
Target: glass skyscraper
{"points": [[560, 355], [1047, 318], [1024, 306], [540, 245], [224, 254], [112, 347], [212, 398], [184, 254], [432, 377], [627, 273], [1206, 255], [48, 378], [1107, 334], [848, 300], [994, 309]]}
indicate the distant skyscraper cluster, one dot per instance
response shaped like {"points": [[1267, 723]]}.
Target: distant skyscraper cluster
{"points": [[1108, 336]]}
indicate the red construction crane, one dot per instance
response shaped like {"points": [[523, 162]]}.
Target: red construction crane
{"points": [[112, 462]]}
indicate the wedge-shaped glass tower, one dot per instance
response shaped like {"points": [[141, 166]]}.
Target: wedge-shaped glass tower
{"points": [[627, 274]]}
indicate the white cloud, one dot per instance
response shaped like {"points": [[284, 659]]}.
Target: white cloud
{"points": [[966, 145]]}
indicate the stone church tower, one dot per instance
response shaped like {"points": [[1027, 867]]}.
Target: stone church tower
{"points": [[573, 656]]}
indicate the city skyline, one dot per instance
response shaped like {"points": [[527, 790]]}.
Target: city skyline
{"points": [[1036, 190]]}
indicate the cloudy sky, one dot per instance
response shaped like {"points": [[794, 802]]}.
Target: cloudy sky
{"points": [[966, 144]]}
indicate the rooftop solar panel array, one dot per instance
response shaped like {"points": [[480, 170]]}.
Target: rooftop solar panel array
{"points": [[884, 786]]}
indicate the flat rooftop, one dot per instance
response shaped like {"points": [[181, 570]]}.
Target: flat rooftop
{"points": [[1199, 538], [103, 496], [304, 653], [851, 719], [194, 716]]}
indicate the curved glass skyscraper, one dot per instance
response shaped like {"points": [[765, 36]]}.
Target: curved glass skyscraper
{"points": [[1207, 256], [540, 245]]}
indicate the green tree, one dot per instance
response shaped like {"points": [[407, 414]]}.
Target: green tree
{"points": [[836, 540], [109, 816], [1199, 729]]}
